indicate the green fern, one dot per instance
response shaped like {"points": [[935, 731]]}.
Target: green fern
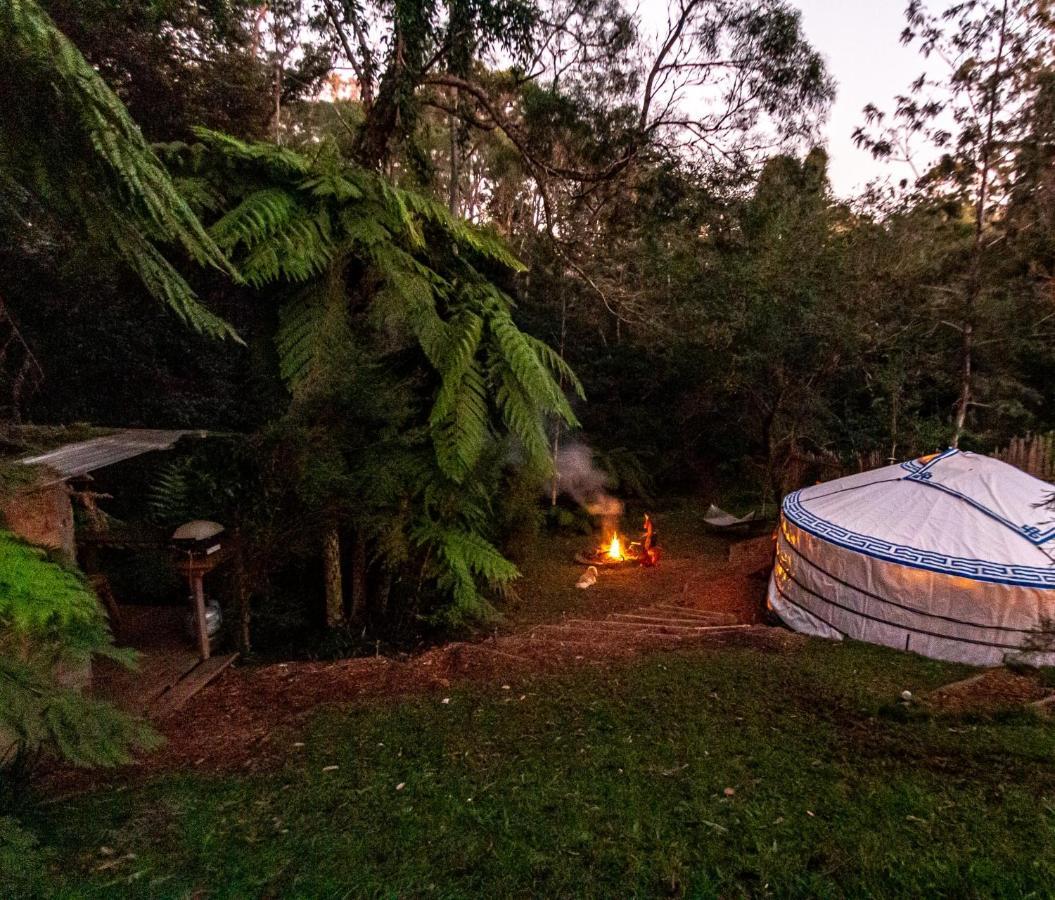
{"points": [[49, 618], [67, 143], [465, 556], [363, 262]]}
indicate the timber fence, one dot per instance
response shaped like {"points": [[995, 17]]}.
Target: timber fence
{"points": [[1034, 453]]}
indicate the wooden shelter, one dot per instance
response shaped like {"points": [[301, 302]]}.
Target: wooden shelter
{"points": [[41, 512]]}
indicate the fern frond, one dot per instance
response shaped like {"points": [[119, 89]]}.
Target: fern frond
{"points": [[165, 283], [481, 239], [460, 430], [270, 157], [258, 217], [556, 364], [365, 231], [167, 495], [521, 356], [522, 417], [408, 296], [313, 334], [341, 187], [463, 340], [463, 557], [131, 187]]}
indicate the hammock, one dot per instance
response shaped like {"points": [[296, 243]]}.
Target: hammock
{"points": [[721, 520]]}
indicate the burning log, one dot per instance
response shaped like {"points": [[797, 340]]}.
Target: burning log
{"points": [[615, 551]]}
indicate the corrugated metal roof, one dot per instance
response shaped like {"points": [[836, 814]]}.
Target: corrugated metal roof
{"points": [[87, 456]]}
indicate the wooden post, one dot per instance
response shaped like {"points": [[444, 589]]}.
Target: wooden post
{"points": [[199, 614], [241, 589]]}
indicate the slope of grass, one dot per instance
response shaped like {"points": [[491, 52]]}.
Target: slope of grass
{"points": [[704, 773]]}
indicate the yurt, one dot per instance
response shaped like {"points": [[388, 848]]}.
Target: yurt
{"points": [[951, 556]]}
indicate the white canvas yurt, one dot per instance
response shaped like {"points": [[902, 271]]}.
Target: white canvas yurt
{"points": [[951, 556]]}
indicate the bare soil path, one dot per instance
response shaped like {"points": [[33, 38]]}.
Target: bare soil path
{"points": [[232, 723], [248, 719]]}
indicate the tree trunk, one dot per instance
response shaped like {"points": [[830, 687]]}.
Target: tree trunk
{"points": [[453, 198], [331, 561], [966, 345], [384, 592], [382, 118], [895, 408], [241, 591], [974, 281], [358, 592], [555, 486], [276, 99]]}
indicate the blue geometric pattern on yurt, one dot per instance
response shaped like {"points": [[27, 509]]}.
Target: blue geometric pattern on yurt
{"points": [[978, 569]]}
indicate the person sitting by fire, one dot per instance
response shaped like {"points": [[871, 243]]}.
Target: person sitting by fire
{"points": [[650, 551]]}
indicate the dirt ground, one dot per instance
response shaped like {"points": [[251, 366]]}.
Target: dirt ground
{"points": [[245, 718], [248, 718], [987, 692]]}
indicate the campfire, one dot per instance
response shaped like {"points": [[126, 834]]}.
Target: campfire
{"points": [[616, 550]]}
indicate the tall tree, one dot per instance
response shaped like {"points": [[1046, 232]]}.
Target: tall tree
{"points": [[175, 64], [986, 61], [402, 357]]}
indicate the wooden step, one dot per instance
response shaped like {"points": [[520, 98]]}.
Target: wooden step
{"points": [[592, 636], [619, 625], [604, 631], [193, 681], [708, 615], [658, 619]]}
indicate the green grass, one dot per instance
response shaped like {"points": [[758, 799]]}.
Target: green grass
{"points": [[599, 783]]}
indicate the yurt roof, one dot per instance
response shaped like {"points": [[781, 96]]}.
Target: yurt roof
{"points": [[956, 513]]}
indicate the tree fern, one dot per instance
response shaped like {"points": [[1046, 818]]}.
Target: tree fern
{"points": [[360, 262], [69, 145]]}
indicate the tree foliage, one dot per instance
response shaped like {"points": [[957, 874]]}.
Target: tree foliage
{"points": [[650, 199], [385, 293], [69, 148], [51, 626]]}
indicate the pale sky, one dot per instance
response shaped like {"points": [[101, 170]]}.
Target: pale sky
{"points": [[860, 40]]}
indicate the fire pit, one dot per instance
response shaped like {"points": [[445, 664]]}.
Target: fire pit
{"points": [[617, 552]]}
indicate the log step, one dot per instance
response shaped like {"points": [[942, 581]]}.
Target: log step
{"points": [[597, 631], [193, 681], [707, 615], [619, 625], [658, 619]]}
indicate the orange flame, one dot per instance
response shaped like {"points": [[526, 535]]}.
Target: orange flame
{"points": [[614, 550]]}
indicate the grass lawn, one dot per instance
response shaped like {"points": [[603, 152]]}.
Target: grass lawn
{"points": [[702, 773]]}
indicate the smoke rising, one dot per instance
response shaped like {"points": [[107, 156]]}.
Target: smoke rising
{"points": [[580, 479]]}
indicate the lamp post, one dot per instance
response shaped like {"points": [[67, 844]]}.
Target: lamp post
{"points": [[201, 547]]}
